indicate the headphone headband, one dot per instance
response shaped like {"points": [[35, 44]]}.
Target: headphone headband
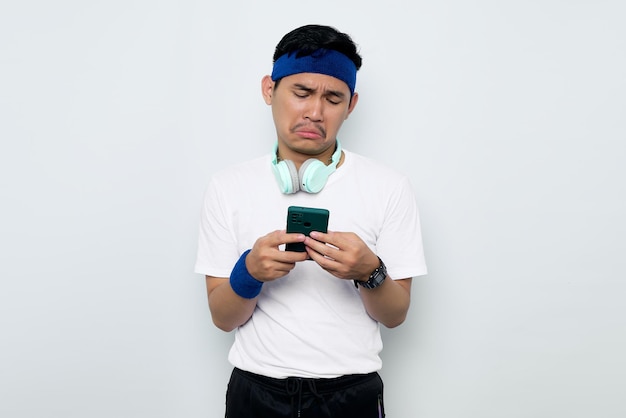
{"points": [[310, 178]]}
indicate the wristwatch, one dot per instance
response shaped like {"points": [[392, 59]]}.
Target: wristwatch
{"points": [[376, 278]]}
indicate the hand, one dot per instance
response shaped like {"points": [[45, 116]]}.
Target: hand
{"points": [[266, 262], [342, 254]]}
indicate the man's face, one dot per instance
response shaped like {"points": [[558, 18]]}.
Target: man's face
{"points": [[308, 110]]}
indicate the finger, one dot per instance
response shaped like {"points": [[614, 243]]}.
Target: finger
{"points": [[317, 246], [277, 238], [322, 251], [287, 238], [325, 262], [336, 239], [320, 236], [291, 257], [278, 267]]}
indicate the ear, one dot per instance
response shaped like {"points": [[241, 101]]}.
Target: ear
{"points": [[353, 101], [267, 89]]}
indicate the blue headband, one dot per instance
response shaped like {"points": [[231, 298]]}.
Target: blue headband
{"points": [[322, 61]]}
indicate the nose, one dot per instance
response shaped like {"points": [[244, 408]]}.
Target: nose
{"points": [[315, 110]]}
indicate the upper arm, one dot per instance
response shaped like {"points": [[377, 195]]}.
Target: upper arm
{"points": [[213, 282], [405, 284]]}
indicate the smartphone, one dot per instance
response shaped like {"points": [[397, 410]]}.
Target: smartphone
{"points": [[303, 220]]}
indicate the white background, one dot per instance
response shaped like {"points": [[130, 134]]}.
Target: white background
{"points": [[508, 116]]}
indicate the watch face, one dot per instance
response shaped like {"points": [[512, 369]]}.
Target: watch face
{"points": [[375, 280], [377, 277]]}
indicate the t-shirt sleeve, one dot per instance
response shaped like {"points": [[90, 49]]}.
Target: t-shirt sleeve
{"points": [[400, 244], [217, 249]]}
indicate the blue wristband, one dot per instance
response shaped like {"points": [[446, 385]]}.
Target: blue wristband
{"points": [[242, 281]]}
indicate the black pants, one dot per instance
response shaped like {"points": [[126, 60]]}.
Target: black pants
{"points": [[252, 396]]}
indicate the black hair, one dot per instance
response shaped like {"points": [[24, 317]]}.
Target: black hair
{"points": [[309, 38]]}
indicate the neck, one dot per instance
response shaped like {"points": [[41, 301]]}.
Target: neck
{"points": [[330, 159], [298, 159]]}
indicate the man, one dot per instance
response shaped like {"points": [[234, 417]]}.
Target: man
{"points": [[307, 338]]}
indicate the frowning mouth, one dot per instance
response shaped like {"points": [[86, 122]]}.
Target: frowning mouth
{"points": [[309, 130]]}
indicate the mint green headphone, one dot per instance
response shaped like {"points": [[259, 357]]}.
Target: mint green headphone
{"points": [[311, 177]]}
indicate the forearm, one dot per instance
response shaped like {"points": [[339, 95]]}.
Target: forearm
{"points": [[228, 310], [388, 303], [233, 300]]}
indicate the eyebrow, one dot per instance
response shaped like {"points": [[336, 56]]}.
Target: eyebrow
{"points": [[335, 93]]}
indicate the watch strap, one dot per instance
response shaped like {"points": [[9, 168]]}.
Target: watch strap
{"points": [[376, 279]]}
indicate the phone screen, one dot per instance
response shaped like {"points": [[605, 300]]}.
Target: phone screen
{"points": [[303, 220]]}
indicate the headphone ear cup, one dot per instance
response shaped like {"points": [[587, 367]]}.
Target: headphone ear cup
{"points": [[287, 176], [313, 175]]}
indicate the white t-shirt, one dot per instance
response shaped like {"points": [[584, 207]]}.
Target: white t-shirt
{"points": [[310, 323]]}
